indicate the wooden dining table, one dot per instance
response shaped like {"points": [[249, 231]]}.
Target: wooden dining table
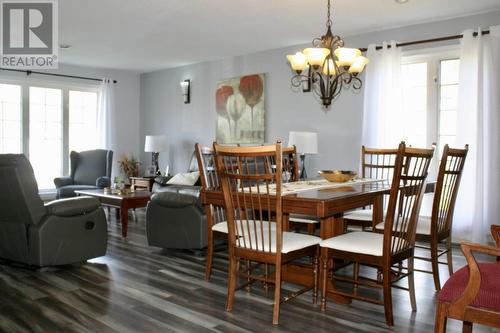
{"points": [[329, 205]]}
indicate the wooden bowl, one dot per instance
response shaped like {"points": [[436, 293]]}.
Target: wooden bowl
{"points": [[337, 176]]}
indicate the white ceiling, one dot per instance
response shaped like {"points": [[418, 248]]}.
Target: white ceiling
{"points": [[146, 35]]}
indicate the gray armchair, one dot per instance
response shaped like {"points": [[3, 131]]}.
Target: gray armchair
{"points": [[90, 169], [58, 233]]}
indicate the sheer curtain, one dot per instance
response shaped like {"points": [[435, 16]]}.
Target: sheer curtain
{"points": [[383, 97], [478, 124], [105, 115]]}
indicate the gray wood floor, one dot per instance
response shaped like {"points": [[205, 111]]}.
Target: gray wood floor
{"points": [[136, 288]]}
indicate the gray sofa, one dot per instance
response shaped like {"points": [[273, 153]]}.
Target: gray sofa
{"points": [[90, 169], [58, 233], [175, 218]]}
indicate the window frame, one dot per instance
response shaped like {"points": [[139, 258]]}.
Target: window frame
{"points": [[433, 58], [65, 88]]}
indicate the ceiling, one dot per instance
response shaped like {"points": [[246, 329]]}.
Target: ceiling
{"points": [[146, 35]]}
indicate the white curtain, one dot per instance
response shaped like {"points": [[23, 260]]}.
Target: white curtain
{"points": [[383, 97], [105, 115], [478, 124]]}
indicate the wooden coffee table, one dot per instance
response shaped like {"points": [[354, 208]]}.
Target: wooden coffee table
{"points": [[123, 202]]}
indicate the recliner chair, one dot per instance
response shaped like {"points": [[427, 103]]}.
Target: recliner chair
{"points": [[90, 169], [60, 232]]}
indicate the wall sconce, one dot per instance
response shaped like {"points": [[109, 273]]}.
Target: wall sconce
{"points": [[186, 88]]}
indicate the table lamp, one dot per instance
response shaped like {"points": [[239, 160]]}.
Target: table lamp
{"points": [[305, 143], [155, 144]]}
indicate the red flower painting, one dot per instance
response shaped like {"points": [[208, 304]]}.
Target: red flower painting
{"points": [[252, 88]]}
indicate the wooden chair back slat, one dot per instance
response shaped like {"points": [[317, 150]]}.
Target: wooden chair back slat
{"points": [[251, 180], [378, 163], [408, 185], [209, 181], [448, 181]]}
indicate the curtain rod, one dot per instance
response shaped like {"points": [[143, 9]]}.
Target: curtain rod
{"points": [[425, 41], [28, 72]]}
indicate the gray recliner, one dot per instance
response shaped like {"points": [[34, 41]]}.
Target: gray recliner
{"points": [[174, 217], [90, 169], [60, 232]]}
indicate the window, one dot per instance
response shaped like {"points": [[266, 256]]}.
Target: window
{"points": [[10, 119], [46, 125], [430, 97]]}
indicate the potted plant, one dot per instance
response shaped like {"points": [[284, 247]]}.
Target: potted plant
{"points": [[129, 166]]}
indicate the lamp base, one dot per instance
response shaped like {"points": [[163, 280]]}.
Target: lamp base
{"points": [[303, 173], [154, 163]]}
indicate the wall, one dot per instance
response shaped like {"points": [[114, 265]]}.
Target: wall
{"points": [[163, 111], [126, 101]]}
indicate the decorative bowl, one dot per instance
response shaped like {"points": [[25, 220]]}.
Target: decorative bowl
{"points": [[337, 176]]}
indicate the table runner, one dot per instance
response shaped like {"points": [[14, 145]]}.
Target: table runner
{"points": [[307, 185]]}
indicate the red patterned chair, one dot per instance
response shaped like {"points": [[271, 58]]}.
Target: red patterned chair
{"points": [[472, 294]]}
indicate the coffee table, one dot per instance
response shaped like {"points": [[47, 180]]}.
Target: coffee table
{"points": [[123, 202]]}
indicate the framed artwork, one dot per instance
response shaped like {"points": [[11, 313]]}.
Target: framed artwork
{"points": [[240, 106]]}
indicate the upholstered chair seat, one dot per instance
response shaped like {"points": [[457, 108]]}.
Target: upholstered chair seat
{"points": [[423, 225], [488, 296], [360, 215]]}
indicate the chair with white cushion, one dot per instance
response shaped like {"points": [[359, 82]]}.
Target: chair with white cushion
{"points": [[436, 229], [291, 169], [375, 164], [252, 197], [386, 251]]}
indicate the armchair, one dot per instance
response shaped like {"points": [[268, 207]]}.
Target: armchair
{"points": [[90, 169], [57, 233], [472, 294]]}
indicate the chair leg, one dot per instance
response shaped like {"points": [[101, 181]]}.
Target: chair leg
{"points": [[386, 282], [324, 277], [467, 327], [277, 292], [210, 255], [310, 228], [316, 277], [449, 256], [435, 266], [231, 286], [248, 288], [440, 325], [411, 284]]}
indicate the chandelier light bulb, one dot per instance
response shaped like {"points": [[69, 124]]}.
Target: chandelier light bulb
{"points": [[316, 55], [346, 56], [358, 65], [329, 68], [298, 61]]}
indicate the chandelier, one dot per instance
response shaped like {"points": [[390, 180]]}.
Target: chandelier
{"points": [[330, 66]]}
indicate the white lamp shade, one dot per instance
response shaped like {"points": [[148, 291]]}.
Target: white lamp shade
{"points": [[155, 143], [305, 142]]}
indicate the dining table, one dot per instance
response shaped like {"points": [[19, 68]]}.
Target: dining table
{"points": [[328, 204]]}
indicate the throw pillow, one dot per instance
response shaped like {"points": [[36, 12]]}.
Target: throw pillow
{"points": [[189, 178]]}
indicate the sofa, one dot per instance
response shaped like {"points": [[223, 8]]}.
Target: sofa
{"points": [[175, 218], [60, 232], [90, 170]]}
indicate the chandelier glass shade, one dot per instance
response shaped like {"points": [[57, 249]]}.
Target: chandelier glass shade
{"points": [[327, 67]]}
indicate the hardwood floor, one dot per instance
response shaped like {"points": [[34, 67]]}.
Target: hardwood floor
{"points": [[136, 288]]}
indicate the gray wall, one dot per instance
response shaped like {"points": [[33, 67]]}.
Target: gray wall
{"points": [[126, 101], [163, 111]]}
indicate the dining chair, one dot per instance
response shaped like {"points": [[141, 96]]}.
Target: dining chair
{"points": [[252, 196], [291, 174], [472, 294], [386, 251], [376, 163], [434, 232], [216, 215]]}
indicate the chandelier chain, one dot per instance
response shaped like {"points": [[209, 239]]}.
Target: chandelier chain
{"points": [[328, 16]]}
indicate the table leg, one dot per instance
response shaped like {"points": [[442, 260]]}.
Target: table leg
{"points": [[378, 210], [124, 220], [286, 222], [332, 226]]}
